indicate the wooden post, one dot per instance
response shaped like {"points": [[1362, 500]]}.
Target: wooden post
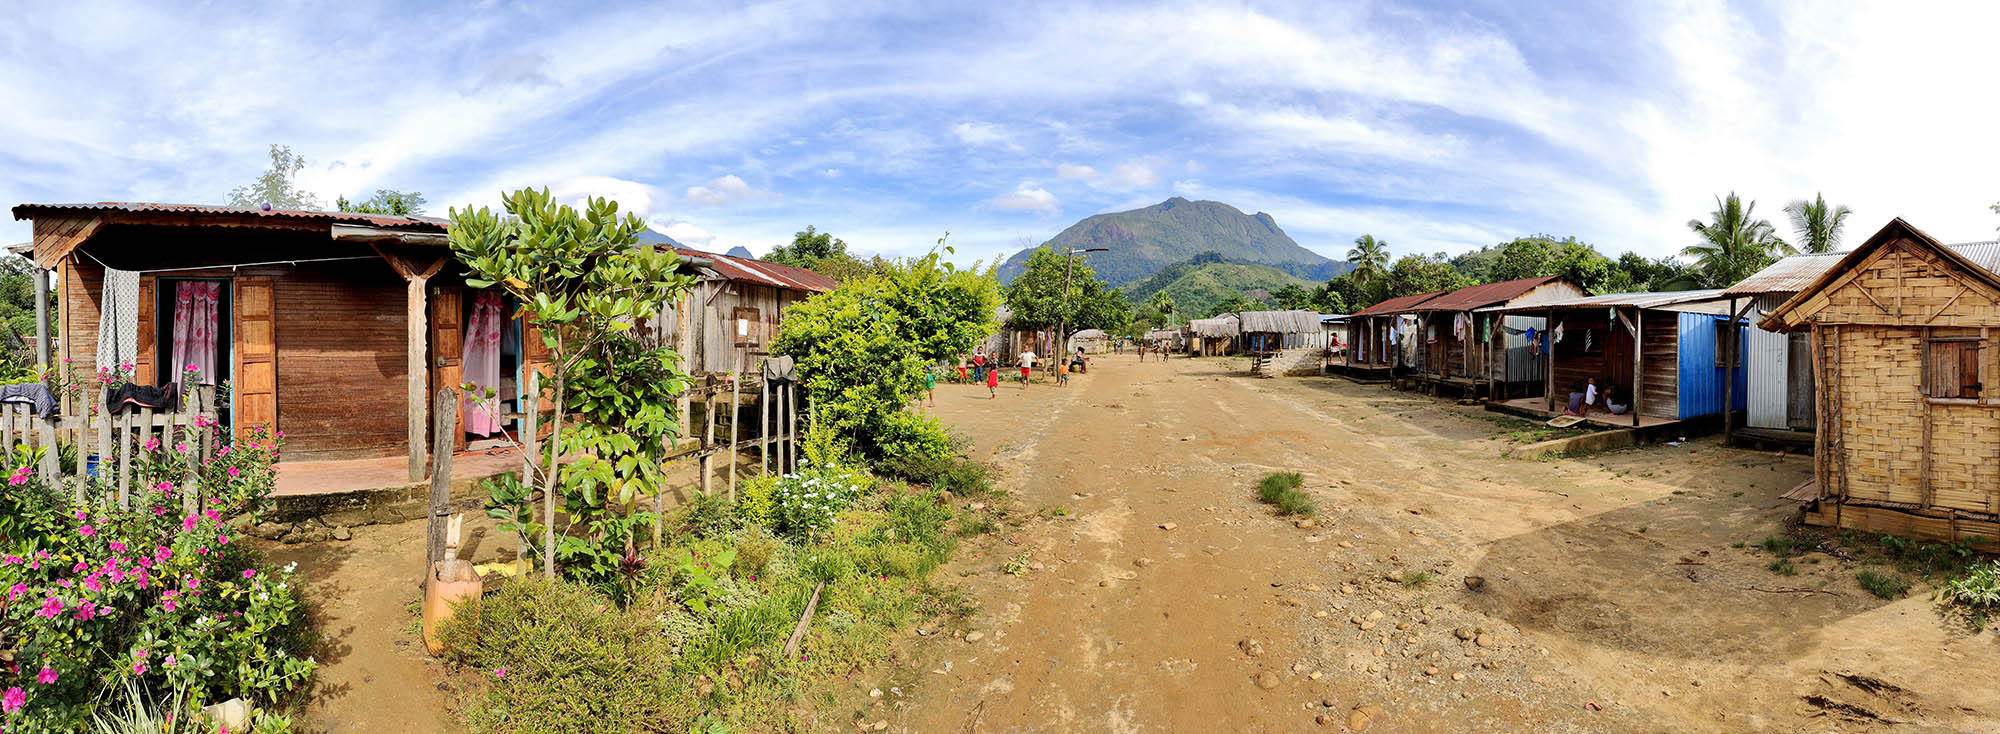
{"points": [[440, 504], [125, 458], [105, 459], [531, 454], [416, 278], [735, 411], [1638, 362], [706, 459], [43, 357], [763, 425], [1729, 378], [190, 493], [1549, 362]]}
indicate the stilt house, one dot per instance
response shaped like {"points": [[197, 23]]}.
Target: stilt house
{"points": [[1672, 355], [1901, 332], [1372, 347], [1467, 348]]}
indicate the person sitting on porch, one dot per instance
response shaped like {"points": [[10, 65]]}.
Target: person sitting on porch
{"points": [[1579, 401], [1613, 403]]}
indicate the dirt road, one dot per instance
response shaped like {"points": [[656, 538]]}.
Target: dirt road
{"points": [[1164, 598]]}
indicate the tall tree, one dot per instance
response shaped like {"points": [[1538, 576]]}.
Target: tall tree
{"points": [[1817, 223], [1292, 296], [1037, 297], [1164, 304], [1734, 243], [385, 201], [278, 187], [1413, 274], [1370, 257]]}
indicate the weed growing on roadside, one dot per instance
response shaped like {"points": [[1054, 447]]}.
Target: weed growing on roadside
{"points": [[1282, 489], [1974, 593], [1417, 579], [1884, 585], [1783, 567], [1016, 566]]}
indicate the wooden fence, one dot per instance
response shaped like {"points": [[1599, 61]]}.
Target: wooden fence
{"points": [[105, 445]]}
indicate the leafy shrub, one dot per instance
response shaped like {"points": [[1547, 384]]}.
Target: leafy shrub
{"points": [[807, 502], [1977, 590], [1417, 579], [1884, 585], [912, 437], [1783, 567], [757, 503], [755, 547], [917, 517], [167, 602], [1296, 503]]}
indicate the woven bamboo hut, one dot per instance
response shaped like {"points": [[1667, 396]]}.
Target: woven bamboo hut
{"points": [[1373, 343], [1466, 349], [1901, 333], [1276, 331], [1216, 336]]}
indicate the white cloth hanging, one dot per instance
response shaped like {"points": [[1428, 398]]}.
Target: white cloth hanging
{"points": [[118, 319]]}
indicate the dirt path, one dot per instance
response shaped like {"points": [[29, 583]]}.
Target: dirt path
{"points": [[1613, 598]]}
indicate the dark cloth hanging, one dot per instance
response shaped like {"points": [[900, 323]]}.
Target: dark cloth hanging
{"points": [[780, 370], [158, 397], [31, 393]]}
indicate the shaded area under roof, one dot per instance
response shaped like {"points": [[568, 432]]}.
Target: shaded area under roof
{"points": [[1397, 304], [1479, 296], [1702, 301]]}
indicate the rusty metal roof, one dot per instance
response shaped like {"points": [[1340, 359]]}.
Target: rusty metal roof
{"points": [[1397, 304], [1477, 296], [431, 224], [758, 272]]}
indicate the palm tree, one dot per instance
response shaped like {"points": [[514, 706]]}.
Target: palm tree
{"points": [[1164, 304], [1817, 224], [1734, 243], [1370, 257]]}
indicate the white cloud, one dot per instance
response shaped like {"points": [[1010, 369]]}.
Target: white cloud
{"points": [[1073, 171], [632, 197], [1132, 174], [985, 134], [724, 191], [1025, 199], [684, 232]]}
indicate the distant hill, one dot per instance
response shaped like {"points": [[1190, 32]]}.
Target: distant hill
{"points": [[740, 251], [1198, 287], [651, 237], [1145, 241]]}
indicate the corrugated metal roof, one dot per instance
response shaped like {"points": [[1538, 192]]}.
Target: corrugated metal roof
{"points": [[432, 224], [1477, 296], [1794, 273], [1676, 299], [1399, 303], [1282, 322], [758, 272]]}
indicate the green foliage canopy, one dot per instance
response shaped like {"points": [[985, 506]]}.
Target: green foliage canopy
{"points": [[278, 186], [1038, 300]]}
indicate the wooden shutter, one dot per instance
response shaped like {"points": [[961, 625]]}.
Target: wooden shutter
{"points": [[448, 349], [145, 349], [256, 389]]}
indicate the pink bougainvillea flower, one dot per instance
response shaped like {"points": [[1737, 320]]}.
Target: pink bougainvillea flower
{"points": [[193, 582], [93, 584], [223, 539], [15, 594], [86, 531], [138, 668], [161, 553], [86, 611], [152, 444], [189, 523], [14, 700], [117, 547], [209, 513], [249, 573], [168, 604], [139, 653], [82, 515], [202, 550], [47, 676], [164, 486], [235, 472], [170, 661], [50, 607]]}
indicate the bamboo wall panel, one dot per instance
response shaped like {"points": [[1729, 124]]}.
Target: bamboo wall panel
{"points": [[1964, 452], [1880, 369], [1900, 285]]}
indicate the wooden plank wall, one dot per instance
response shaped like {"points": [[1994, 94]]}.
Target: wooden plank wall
{"points": [[80, 303], [1660, 348], [342, 358]]}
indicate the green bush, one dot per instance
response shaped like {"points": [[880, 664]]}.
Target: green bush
{"points": [[1884, 585], [1282, 489], [757, 503], [1977, 590], [1294, 502], [904, 437]]}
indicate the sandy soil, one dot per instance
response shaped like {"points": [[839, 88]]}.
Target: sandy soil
{"points": [[1613, 600]]}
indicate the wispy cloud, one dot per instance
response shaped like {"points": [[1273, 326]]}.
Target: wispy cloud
{"points": [[1025, 199]]}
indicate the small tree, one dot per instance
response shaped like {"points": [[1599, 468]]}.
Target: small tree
{"points": [[385, 201], [584, 283], [1038, 300], [277, 186]]}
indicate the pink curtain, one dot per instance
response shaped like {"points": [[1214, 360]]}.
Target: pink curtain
{"points": [[194, 331], [482, 363]]}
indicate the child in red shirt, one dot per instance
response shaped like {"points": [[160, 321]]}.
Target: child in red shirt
{"points": [[992, 384]]}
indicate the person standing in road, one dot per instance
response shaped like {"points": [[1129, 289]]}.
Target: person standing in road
{"points": [[1027, 366], [979, 363]]}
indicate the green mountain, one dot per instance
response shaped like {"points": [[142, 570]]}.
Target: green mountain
{"points": [[1142, 242], [1199, 285]]}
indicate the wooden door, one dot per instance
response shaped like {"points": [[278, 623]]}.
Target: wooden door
{"points": [[256, 391], [1799, 384], [145, 353], [447, 350], [1619, 371]]}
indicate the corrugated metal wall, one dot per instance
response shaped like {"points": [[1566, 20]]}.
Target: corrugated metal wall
{"points": [[1522, 366], [1769, 369], [1701, 382]]}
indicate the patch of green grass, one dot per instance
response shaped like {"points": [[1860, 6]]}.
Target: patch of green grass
{"points": [[977, 524], [1783, 567], [1884, 585], [1417, 579], [1282, 489], [1920, 557], [1974, 593], [1739, 544], [1782, 545]]}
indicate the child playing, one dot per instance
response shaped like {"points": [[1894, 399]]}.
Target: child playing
{"points": [[1062, 374], [992, 384], [930, 384]]}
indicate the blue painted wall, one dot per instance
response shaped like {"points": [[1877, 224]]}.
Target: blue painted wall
{"points": [[1701, 382]]}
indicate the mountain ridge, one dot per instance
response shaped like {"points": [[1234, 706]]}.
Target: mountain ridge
{"points": [[1144, 241]]}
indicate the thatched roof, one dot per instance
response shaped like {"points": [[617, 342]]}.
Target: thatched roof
{"points": [[1220, 327], [1282, 322]]}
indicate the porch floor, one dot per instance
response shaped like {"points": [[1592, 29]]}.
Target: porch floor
{"points": [[389, 472], [1539, 406]]}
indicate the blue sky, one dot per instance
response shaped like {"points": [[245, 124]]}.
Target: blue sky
{"points": [[1435, 126]]}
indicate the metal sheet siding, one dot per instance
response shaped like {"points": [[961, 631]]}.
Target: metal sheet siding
{"points": [[1522, 366], [1768, 368], [1701, 382]]}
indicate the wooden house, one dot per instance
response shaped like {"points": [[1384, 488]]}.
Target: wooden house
{"points": [[1779, 364], [733, 313], [1465, 332], [1216, 336], [1908, 441], [1374, 348], [1673, 356], [335, 327]]}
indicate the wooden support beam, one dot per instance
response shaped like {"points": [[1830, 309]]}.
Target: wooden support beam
{"points": [[1549, 363], [1638, 364], [416, 278], [705, 465], [531, 448], [440, 500], [764, 426], [735, 426], [43, 358]]}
